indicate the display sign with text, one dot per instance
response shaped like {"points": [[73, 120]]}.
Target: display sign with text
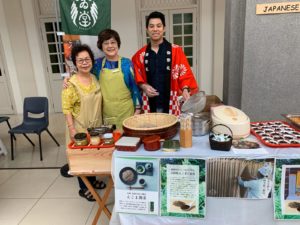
{"points": [[280, 7]]}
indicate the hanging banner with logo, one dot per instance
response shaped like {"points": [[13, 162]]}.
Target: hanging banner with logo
{"points": [[85, 17]]}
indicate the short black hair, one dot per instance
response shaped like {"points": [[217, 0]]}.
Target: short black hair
{"points": [[156, 15], [80, 48], [107, 34]]}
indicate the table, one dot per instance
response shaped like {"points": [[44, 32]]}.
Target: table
{"points": [[93, 162], [221, 211]]}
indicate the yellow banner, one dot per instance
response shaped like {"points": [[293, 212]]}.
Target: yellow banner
{"points": [[275, 8]]}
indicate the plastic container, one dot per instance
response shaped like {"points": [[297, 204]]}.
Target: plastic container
{"points": [[186, 131], [201, 123]]}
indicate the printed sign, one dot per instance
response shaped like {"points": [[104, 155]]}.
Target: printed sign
{"points": [[182, 187], [287, 189], [275, 8], [137, 185]]}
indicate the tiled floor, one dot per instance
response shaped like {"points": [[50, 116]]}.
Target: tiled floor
{"points": [[41, 196]]}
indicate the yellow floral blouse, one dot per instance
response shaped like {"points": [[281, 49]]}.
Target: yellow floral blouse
{"points": [[71, 98]]}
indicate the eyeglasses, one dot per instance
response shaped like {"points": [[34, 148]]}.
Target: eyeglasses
{"points": [[81, 61], [106, 43]]}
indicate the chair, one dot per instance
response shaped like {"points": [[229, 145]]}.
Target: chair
{"points": [[35, 120], [5, 119]]}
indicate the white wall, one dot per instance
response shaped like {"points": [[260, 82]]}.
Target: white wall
{"points": [[20, 48], [206, 45], [218, 61], [9, 59], [32, 32], [124, 21]]}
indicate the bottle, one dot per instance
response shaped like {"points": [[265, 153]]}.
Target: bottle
{"points": [[185, 131]]}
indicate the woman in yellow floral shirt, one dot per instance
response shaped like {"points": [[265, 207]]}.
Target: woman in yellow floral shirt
{"points": [[82, 104]]}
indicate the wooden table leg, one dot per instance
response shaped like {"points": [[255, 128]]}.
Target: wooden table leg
{"points": [[101, 201], [102, 205]]}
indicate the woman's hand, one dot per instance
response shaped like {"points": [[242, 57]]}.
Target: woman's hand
{"points": [[65, 82], [72, 132], [149, 90]]}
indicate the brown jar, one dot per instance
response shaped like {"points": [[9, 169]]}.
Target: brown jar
{"points": [[108, 139], [81, 139]]}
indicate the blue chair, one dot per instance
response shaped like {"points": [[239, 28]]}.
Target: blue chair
{"points": [[35, 120]]}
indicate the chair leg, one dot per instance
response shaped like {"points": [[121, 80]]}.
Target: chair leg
{"points": [[29, 139], [41, 151], [52, 137], [8, 124], [12, 146]]}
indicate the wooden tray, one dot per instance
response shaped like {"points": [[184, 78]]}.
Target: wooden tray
{"points": [[290, 117], [276, 133], [101, 145]]}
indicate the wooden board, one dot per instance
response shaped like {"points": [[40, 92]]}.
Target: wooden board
{"points": [[90, 161]]}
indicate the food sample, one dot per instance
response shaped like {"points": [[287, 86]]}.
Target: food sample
{"points": [[128, 176], [276, 133], [295, 119], [244, 144]]}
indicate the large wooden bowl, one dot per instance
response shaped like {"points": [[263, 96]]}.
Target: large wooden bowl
{"points": [[162, 124]]}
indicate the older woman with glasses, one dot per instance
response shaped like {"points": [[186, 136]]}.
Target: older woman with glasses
{"points": [[82, 104]]}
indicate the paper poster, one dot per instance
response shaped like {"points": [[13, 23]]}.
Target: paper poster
{"points": [[287, 189], [137, 185], [240, 177], [182, 187]]}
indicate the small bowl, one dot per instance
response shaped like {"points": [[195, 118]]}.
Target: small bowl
{"points": [[152, 143]]}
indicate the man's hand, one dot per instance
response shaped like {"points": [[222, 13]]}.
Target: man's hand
{"points": [[185, 94], [137, 111], [65, 83], [149, 90]]}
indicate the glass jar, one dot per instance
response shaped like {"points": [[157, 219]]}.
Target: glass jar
{"points": [[94, 138], [81, 139], [108, 139]]}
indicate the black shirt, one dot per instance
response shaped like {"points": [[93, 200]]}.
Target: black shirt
{"points": [[159, 79]]}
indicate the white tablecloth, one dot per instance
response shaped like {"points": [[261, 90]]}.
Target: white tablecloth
{"points": [[221, 211]]}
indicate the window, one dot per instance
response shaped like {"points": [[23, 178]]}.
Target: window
{"points": [[54, 46], [183, 33]]}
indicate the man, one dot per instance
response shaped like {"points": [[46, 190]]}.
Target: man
{"points": [[259, 187], [162, 70]]}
